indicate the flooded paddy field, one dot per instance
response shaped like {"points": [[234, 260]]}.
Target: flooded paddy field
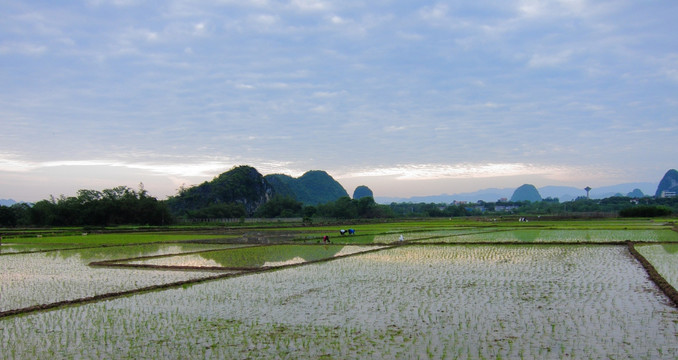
{"points": [[14, 248], [412, 301], [254, 257], [29, 279], [664, 257]]}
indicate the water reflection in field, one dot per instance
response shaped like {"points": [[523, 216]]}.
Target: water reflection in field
{"points": [[509, 302], [664, 258], [257, 256], [46, 277]]}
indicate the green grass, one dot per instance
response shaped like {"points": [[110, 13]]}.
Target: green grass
{"points": [[596, 230], [366, 233], [534, 222], [254, 257], [116, 239], [562, 236]]}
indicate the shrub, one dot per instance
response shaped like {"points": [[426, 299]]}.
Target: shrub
{"points": [[645, 211]]}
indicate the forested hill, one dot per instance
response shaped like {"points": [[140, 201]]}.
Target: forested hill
{"points": [[242, 190], [668, 183], [237, 192], [313, 188], [526, 192]]}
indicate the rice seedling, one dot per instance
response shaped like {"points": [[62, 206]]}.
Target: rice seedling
{"points": [[528, 236], [408, 302], [41, 278], [664, 257]]}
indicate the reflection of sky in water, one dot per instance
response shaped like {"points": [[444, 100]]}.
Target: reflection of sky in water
{"points": [[256, 257], [183, 260], [348, 250], [131, 251], [530, 309], [43, 278], [295, 260], [8, 248], [664, 258]]}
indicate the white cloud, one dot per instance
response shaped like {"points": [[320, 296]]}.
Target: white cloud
{"points": [[550, 8], [550, 60], [22, 48], [199, 29], [337, 20], [321, 109], [669, 66], [457, 82], [120, 3], [532, 8], [429, 171], [265, 20], [199, 169], [245, 86], [132, 36], [310, 5], [409, 36], [328, 94], [435, 12], [393, 128]]}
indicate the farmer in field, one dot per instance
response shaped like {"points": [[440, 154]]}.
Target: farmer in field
{"points": [[342, 232], [351, 231], [401, 238]]}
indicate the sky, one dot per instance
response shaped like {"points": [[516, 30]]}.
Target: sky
{"points": [[410, 98]]}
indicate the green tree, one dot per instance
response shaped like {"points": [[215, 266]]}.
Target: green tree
{"points": [[7, 217], [280, 206], [645, 211]]}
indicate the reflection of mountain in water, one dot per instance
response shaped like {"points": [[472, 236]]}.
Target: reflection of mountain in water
{"points": [[258, 256]]}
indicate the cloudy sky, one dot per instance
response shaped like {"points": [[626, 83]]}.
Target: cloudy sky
{"points": [[406, 97]]}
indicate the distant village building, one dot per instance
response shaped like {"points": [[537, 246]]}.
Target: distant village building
{"points": [[455, 202], [667, 194], [502, 199], [505, 207]]}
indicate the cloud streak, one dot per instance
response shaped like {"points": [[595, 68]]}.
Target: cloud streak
{"points": [[399, 91]]}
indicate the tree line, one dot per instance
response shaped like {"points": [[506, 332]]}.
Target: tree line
{"points": [[125, 206], [117, 206]]}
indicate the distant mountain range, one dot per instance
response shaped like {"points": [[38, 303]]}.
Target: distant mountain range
{"points": [[7, 202], [246, 186], [563, 193]]}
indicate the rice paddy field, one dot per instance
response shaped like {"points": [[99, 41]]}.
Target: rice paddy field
{"points": [[449, 290]]}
